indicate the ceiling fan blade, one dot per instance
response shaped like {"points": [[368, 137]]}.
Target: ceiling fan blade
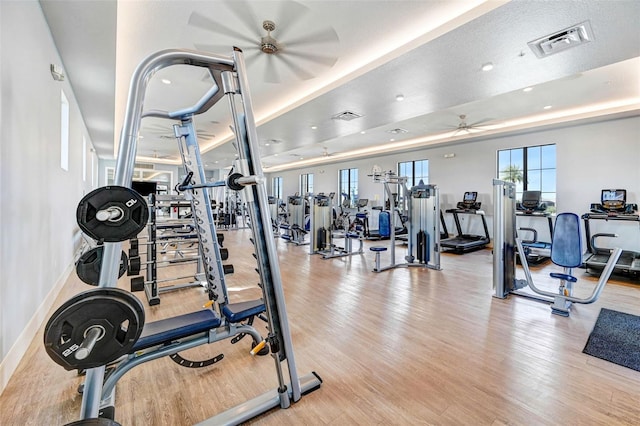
{"points": [[288, 16], [271, 74], [244, 12], [251, 57], [299, 72], [318, 59], [484, 120], [200, 21], [326, 35]]}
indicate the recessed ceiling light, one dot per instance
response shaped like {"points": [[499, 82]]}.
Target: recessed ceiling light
{"points": [[166, 81], [216, 161], [400, 98], [547, 107], [392, 140], [362, 132], [267, 144], [527, 89], [302, 158], [275, 155], [314, 127], [487, 67]]}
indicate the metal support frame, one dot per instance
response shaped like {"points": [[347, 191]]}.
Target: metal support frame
{"points": [[229, 75]]}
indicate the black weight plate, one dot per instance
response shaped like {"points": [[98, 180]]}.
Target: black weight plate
{"points": [[134, 266], [133, 206], [119, 313], [99, 421], [89, 264]]}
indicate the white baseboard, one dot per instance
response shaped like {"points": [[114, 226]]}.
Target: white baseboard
{"points": [[19, 348]]}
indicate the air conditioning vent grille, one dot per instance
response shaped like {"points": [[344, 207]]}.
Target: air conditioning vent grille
{"points": [[144, 166], [562, 40], [346, 116]]}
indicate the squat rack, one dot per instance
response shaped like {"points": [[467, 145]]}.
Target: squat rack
{"points": [[229, 76]]}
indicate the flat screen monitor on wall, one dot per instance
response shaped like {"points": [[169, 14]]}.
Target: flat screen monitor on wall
{"points": [[144, 188]]}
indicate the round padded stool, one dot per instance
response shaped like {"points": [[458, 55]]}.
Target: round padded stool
{"points": [[377, 250]]}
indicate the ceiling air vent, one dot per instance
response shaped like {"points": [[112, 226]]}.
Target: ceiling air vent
{"points": [[346, 116], [562, 40], [145, 166], [397, 131]]}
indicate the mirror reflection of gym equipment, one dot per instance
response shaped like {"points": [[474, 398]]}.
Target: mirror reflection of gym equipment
{"points": [[465, 242], [566, 252], [612, 209]]}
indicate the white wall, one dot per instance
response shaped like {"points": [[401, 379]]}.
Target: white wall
{"points": [[38, 199], [590, 157]]}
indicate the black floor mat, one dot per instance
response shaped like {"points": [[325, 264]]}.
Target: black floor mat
{"points": [[616, 338]]}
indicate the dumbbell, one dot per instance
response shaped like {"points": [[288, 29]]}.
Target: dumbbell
{"points": [[135, 263], [138, 283], [134, 243]]}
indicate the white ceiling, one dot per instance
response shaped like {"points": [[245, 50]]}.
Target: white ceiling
{"points": [[429, 51]]}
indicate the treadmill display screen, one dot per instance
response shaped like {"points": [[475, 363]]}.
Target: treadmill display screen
{"points": [[470, 197], [613, 199]]}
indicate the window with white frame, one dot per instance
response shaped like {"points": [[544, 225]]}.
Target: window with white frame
{"points": [[64, 132], [349, 186], [531, 168]]}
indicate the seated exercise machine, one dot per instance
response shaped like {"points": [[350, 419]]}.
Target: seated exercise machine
{"points": [[102, 325], [613, 209], [463, 243], [532, 207], [423, 225], [566, 252], [299, 223]]}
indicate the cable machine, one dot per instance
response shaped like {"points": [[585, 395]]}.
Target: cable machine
{"points": [[421, 209]]}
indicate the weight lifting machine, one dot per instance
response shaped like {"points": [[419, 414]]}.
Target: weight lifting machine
{"points": [[566, 252], [422, 219], [115, 219]]}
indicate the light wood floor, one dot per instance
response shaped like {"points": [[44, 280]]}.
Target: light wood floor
{"points": [[406, 346]]}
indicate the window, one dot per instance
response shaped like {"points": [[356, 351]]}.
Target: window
{"points": [[64, 132], [349, 185], [84, 159], [306, 183], [414, 171], [531, 169], [277, 187]]}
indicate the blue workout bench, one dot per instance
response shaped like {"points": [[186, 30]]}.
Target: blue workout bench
{"points": [[172, 335]]}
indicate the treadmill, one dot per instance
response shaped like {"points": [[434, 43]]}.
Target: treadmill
{"points": [[463, 243], [613, 206], [532, 206]]}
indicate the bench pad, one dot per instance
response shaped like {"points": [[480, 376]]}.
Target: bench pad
{"points": [[167, 330], [236, 312]]}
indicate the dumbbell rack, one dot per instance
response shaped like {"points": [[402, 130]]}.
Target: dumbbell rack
{"points": [[150, 285]]}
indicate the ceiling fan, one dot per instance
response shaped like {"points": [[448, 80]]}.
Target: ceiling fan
{"points": [[267, 43], [463, 126], [326, 153]]}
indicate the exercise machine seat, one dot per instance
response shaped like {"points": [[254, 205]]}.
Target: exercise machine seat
{"points": [[167, 330], [236, 312], [378, 248], [566, 245]]}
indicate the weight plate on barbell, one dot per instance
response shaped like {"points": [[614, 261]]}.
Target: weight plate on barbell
{"points": [[89, 264], [117, 312], [130, 214]]}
